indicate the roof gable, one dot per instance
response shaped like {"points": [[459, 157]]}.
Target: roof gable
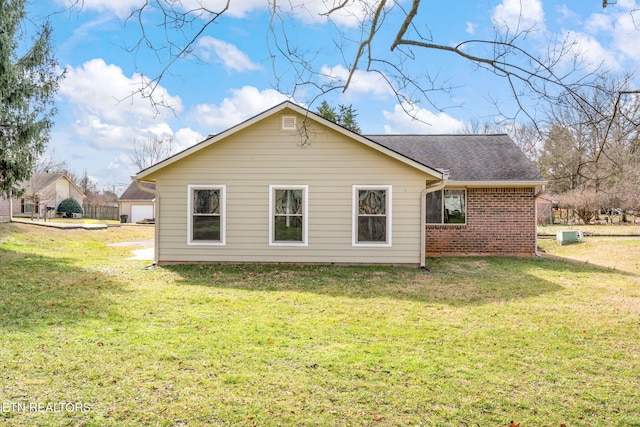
{"points": [[308, 115], [41, 181]]}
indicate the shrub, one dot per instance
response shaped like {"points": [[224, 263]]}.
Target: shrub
{"points": [[69, 206]]}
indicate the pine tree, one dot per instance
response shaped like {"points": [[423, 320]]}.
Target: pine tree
{"points": [[345, 116], [28, 83]]}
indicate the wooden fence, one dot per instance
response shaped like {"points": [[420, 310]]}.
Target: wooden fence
{"points": [[102, 212]]}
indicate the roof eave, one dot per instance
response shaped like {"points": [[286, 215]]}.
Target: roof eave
{"points": [[495, 184]]}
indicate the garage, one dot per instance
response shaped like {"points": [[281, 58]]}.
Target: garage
{"points": [[140, 212]]}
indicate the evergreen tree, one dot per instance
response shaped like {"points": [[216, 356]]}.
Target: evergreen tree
{"points": [[345, 116], [28, 83], [328, 112]]}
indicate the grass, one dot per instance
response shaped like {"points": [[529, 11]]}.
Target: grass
{"points": [[619, 253], [68, 220], [593, 230], [477, 341]]}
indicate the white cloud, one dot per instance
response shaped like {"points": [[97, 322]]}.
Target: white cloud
{"points": [[608, 39], [244, 103], [309, 12], [625, 33], [598, 22], [591, 54], [352, 14], [371, 84], [514, 16], [109, 111], [237, 9], [186, 137], [471, 27], [408, 118], [113, 165], [232, 58], [123, 8]]}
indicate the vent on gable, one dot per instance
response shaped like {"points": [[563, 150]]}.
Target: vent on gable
{"points": [[288, 122]]}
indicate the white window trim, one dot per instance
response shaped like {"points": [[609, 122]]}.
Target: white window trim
{"points": [[223, 214], [449, 224], [305, 214], [354, 219]]}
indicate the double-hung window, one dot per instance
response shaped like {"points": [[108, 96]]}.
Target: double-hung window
{"points": [[288, 207], [447, 207], [206, 214], [371, 215]]}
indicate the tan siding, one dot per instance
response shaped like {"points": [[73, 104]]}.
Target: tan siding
{"points": [[125, 208], [250, 160]]}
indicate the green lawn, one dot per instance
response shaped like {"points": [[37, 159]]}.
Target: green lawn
{"points": [[477, 341], [594, 230]]}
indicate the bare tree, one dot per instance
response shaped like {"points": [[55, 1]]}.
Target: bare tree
{"points": [[597, 131], [585, 203], [526, 136], [152, 150], [526, 73], [390, 38]]}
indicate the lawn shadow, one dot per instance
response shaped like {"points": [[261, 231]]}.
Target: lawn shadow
{"points": [[39, 291], [452, 280]]}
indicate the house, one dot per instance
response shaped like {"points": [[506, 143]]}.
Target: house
{"points": [[5, 209], [290, 186], [43, 193], [137, 204], [544, 207]]}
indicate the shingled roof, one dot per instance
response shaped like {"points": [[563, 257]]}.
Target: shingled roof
{"points": [[134, 193], [41, 181], [468, 158]]}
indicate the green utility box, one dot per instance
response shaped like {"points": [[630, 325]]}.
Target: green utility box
{"points": [[568, 236]]}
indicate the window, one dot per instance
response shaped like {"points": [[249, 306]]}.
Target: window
{"points": [[288, 213], [206, 205], [372, 215], [447, 207], [28, 205]]}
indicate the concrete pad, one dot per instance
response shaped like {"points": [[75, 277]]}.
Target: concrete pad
{"points": [[145, 254]]}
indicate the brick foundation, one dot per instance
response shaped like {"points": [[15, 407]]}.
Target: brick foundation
{"points": [[500, 221]]}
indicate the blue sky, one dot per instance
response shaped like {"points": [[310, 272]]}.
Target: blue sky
{"points": [[233, 78]]}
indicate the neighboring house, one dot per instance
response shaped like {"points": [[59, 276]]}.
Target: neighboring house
{"points": [[544, 207], [137, 204], [43, 193], [5, 209], [290, 186]]}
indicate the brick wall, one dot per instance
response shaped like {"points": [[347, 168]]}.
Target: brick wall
{"points": [[500, 221]]}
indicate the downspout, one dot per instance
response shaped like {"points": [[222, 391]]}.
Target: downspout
{"points": [[423, 214], [156, 237], [535, 197]]}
